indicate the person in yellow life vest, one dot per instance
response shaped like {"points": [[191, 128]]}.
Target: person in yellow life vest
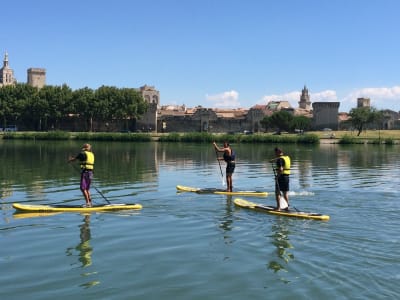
{"points": [[86, 158], [282, 172]]}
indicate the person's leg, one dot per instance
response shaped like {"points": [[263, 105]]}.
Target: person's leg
{"points": [[229, 182]]}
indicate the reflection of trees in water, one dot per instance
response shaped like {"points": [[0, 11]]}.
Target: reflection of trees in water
{"points": [[280, 239]]}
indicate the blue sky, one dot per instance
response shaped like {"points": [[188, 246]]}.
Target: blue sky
{"points": [[213, 53]]}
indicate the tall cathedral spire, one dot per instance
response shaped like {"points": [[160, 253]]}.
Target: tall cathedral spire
{"points": [[5, 61], [6, 74], [305, 102]]}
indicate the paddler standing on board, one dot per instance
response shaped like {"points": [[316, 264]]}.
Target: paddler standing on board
{"points": [[86, 158], [281, 172], [229, 158]]}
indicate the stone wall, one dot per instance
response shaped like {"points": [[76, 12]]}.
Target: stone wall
{"points": [[206, 120], [325, 115]]}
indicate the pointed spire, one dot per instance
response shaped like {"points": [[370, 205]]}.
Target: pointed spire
{"points": [[5, 61]]}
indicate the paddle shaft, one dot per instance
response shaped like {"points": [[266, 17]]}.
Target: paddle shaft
{"points": [[101, 194], [220, 168], [276, 178]]}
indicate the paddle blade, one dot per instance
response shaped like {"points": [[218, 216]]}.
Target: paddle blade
{"points": [[282, 203]]}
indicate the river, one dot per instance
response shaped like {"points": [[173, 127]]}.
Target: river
{"points": [[200, 246]]}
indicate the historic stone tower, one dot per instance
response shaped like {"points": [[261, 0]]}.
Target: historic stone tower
{"points": [[37, 77], [148, 122], [6, 73], [326, 115], [305, 102], [363, 102]]}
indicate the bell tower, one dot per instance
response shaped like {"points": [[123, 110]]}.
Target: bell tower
{"points": [[6, 74], [305, 102]]}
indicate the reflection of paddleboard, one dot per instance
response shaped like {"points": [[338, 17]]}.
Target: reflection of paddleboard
{"points": [[272, 210], [23, 215], [220, 191], [74, 208]]}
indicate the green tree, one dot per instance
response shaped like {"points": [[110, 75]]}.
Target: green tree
{"points": [[279, 121], [301, 123], [362, 116], [84, 106]]}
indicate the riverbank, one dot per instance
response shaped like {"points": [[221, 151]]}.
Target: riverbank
{"points": [[314, 137]]}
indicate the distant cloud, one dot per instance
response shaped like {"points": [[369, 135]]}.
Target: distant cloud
{"points": [[381, 97], [228, 99], [294, 97]]}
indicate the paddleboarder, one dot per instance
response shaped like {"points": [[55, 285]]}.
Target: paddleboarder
{"points": [[86, 158], [281, 172], [229, 158]]}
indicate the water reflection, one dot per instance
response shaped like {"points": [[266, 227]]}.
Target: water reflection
{"points": [[226, 220], [280, 239], [85, 250]]}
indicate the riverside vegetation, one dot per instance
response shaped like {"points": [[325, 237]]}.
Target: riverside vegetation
{"points": [[336, 137]]}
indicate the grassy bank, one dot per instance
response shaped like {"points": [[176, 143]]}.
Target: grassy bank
{"points": [[338, 137]]}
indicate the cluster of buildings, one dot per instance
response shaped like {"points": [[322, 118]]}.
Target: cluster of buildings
{"points": [[179, 118], [36, 76]]}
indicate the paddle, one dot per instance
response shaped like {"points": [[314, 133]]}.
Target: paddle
{"points": [[279, 190], [101, 194], [222, 174]]}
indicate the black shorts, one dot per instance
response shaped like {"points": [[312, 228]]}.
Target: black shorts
{"points": [[283, 181], [230, 168]]}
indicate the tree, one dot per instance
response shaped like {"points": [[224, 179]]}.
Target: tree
{"points": [[83, 105], [301, 123], [362, 116], [280, 121]]}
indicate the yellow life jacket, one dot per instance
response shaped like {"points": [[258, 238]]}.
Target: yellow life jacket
{"points": [[88, 164], [286, 167]]}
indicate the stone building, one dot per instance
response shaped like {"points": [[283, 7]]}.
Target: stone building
{"points": [[148, 122], [363, 102], [37, 77], [305, 102], [6, 73], [202, 119], [325, 115]]}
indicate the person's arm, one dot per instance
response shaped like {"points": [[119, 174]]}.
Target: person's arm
{"points": [[218, 148], [73, 158]]}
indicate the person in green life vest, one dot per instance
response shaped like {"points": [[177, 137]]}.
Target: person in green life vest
{"points": [[86, 158], [229, 158], [282, 172]]}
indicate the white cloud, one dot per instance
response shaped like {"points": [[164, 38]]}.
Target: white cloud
{"points": [[381, 97], [226, 99], [294, 97]]}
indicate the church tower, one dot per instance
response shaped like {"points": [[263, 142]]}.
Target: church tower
{"points": [[305, 102], [6, 74]]}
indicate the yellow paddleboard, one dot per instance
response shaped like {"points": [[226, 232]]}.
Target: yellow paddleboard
{"points": [[271, 210], [75, 208], [182, 188]]}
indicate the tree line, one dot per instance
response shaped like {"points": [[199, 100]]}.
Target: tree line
{"points": [[361, 118], [46, 108]]}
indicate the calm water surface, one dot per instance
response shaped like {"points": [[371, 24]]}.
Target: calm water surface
{"points": [[196, 246]]}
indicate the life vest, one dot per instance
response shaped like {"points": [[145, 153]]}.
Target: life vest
{"points": [[286, 165], [88, 164], [229, 158]]}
